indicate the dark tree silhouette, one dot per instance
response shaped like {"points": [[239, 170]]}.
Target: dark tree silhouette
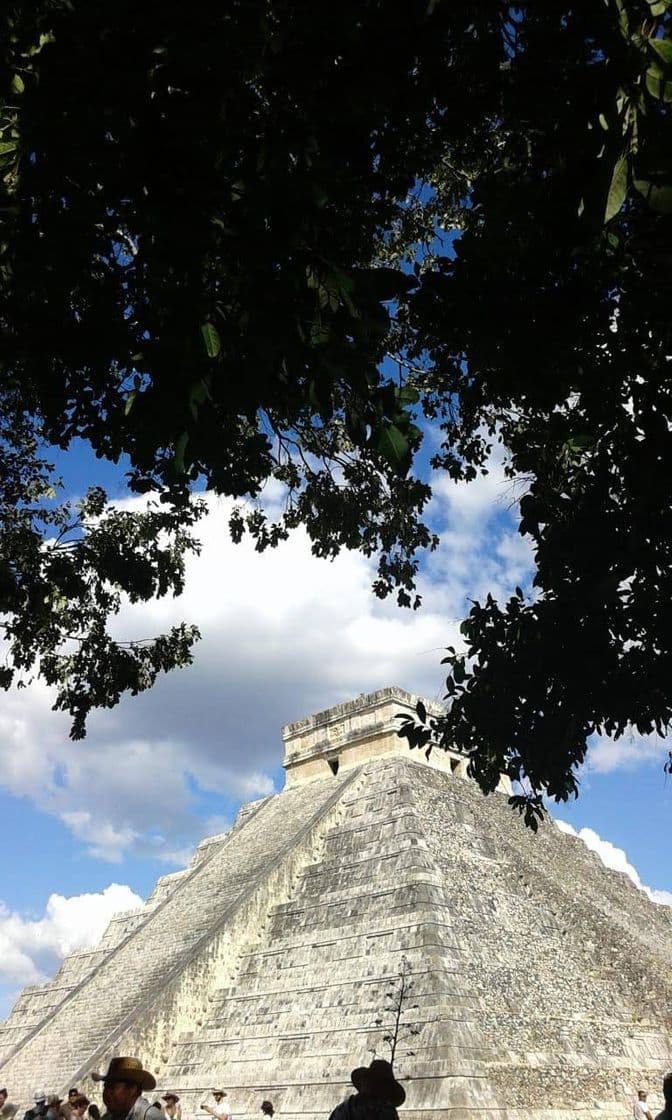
{"points": [[260, 256]]}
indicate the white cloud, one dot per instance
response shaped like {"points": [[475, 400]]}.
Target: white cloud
{"points": [[481, 550], [32, 949], [284, 634], [616, 859], [627, 753]]}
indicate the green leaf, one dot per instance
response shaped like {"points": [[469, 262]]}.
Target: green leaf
{"points": [[319, 194], [623, 21], [129, 401], [199, 392], [7, 146], [658, 7], [180, 448], [663, 48], [221, 225], [618, 189], [659, 198], [657, 84], [17, 84], [211, 339], [408, 395], [578, 443], [319, 333], [392, 445]]}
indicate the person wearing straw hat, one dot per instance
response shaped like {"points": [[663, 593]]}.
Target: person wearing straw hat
{"points": [[378, 1095], [123, 1085]]}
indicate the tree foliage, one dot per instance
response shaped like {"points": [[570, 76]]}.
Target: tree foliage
{"points": [[218, 221], [189, 278], [552, 327], [66, 568]]}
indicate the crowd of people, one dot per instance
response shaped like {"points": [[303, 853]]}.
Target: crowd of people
{"points": [[378, 1096]]}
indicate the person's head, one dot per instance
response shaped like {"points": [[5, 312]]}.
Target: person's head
{"points": [[72, 1093], [378, 1081], [667, 1089], [219, 1095], [641, 1093], [53, 1102], [120, 1096], [123, 1083], [171, 1099], [94, 1112], [267, 1108], [78, 1104], [40, 1101], [3, 1097]]}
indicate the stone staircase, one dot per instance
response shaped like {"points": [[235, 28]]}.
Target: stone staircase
{"points": [[302, 1009], [130, 975]]}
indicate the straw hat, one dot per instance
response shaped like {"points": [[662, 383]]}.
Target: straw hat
{"points": [[127, 1069], [378, 1081]]}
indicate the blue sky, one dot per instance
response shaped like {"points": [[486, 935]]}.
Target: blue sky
{"points": [[88, 827]]}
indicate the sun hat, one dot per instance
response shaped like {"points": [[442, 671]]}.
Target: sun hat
{"points": [[378, 1079], [127, 1069], [39, 1095]]}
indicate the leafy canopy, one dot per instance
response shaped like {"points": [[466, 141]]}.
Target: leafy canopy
{"points": [[218, 221], [551, 328]]}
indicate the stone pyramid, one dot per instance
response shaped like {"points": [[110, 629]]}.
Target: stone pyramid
{"points": [[541, 982]]}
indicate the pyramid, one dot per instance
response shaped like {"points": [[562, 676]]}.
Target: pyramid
{"points": [[538, 983]]}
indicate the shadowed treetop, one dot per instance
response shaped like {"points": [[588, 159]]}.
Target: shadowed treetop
{"points": [[218, 221]]}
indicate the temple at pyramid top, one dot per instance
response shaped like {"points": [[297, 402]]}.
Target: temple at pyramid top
{"points": [[359, 731]]}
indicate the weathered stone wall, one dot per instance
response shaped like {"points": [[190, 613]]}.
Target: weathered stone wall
{"points": [[569, 964]]}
